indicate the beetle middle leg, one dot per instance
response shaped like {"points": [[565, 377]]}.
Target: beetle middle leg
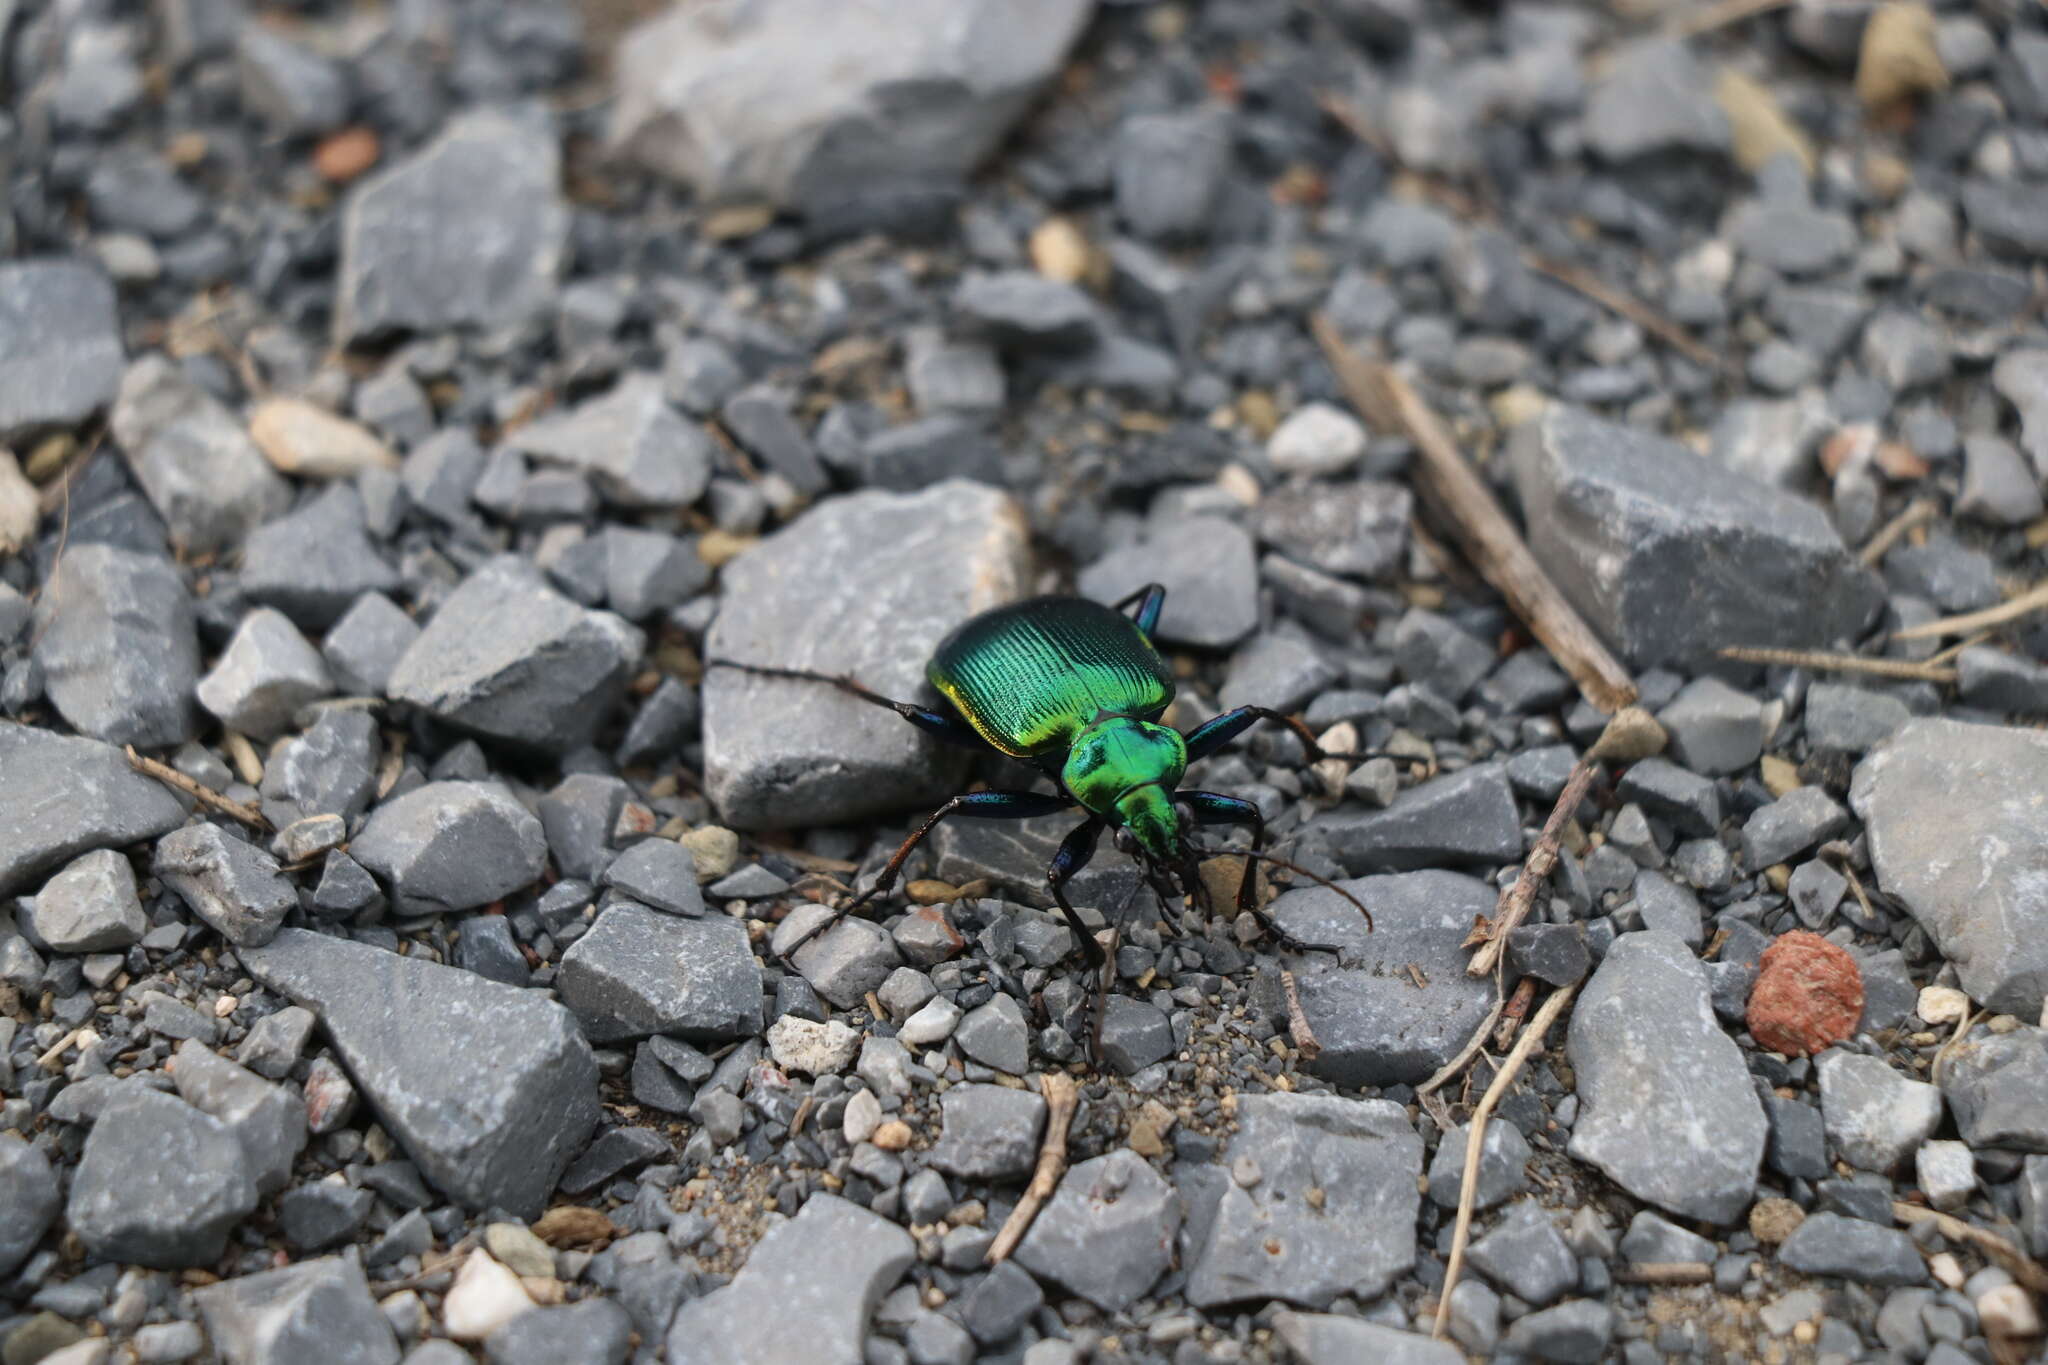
{"points": [[1073, 855], [991, 805], [1213, 808]]}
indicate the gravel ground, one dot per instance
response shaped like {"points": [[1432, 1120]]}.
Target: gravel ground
{"points": [[403, 401]]}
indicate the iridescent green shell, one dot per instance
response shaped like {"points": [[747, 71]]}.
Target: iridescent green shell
{"points": [[1030, 677]]}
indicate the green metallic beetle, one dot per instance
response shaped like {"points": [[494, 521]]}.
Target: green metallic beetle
{"points": [[1077, 689]]}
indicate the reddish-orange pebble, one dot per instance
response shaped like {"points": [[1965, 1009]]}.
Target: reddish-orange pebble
{"points": [[1808, 995], [343, 156]]}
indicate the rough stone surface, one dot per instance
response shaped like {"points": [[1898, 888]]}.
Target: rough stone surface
{"points": [[1331, 1339], [638, 972], [1463, 817], [69, 796], [1830, 1244], [233, 886], [1666, 1105], [265, 675], [1997, 1087], [159, 1183], [1365, 1158], [1875, 1117], [1376, 1027], [91, 906], [508, 658], [28, 1194], [60, 345], [319, 1309], [451, 846], [988, 1132], [805, 1292], [853, 115], [636, 449], [490, 1089], [194, 460], [1670, 556], [268, 1120], [1107, 1234], [864, 585], [1953, 813], [471, 231], [119, 648]]}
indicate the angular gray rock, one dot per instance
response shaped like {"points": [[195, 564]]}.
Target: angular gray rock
{"points": [[267, 673], [842, 964], [508, 658], [28, 1200], [68, 796], [865, 585], [365, 645], [235, 887], [1273, 1240], [1503, 1166], [1332, 1339], [331, 769], [470, 231], [91, 906], [659, 873], [118, 644], [1376, 1026], [805, 1293], [1953, 816], [1670, 556], [988, 1132], [193, 458], [315, 1310], [1789, 826], [1656, 99], [1168, 169], [490, 1089], [159, 1183], [1831, 1244], [1356, 529], [268, 1120], [1876, 1119], [1107, 1234], [639, 971], [316, 563], [1207, 567], [1464, 817], [594, 1331], [1997, 1087], [1666, 1107], [291, 89], [851, 114], [451, 846], [60, 345], [636, 449]]}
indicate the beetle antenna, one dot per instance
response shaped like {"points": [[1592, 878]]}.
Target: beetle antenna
{"points": [[1316, 877]]}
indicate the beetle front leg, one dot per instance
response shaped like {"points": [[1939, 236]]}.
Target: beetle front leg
{"points": [[1206, 738], [1074, 852], [1213, 808], [994, 805]]}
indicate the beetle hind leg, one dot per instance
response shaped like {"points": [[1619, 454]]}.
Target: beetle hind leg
{"points": [[951, 728]]}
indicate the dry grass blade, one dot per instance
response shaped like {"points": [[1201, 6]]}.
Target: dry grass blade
{"points": [[1483, 530], [1514, 905], [1970, 622], [1917, 513], [1475, 1138], [2031, 1275], [1824, 662], [205, 796], [1627, 306], [1061, 1096], [1665, 1272], [1298, 1031]]}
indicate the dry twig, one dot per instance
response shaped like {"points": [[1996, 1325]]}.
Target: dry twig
{"points": [[1061, 1095], [1626, 305], [1466, 1053], [1483, 530], [1970, 622], [1303, 1036], [1515, 903], [1824, 662], [1517, 1010], [1475, 1138], [2031, 1275], [205, 796], [1918, 512], [1665, 1272]]}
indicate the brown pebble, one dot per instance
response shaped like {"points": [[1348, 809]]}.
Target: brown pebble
{"points": [[892, 1136], [1771, 1221], [1808, 995], [343, 156]]}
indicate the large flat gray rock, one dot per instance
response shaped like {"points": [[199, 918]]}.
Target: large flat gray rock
{"points": [[853, 113], [69, 796], [1107, 1233], [159, 1183], [470, 231], [1269, 1241], [451, 846], [1958, 832], [636, 449], [119, 646], [490, 1089], [1375, 1024], [866, 585], [510, 659], [805, 1293], [1463, 817], [1671, 556], [1666, 1107]]}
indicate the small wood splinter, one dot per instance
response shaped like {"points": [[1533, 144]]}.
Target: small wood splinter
{"points": [[1061, 1097]]}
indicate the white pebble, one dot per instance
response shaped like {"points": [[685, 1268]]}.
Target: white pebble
{"points": [[810, 1047], [932, 1023], [484, 1297], [1942, 1004], [1948, 1173], [863, 1115], [2007, 1311], [1316, 439]]}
